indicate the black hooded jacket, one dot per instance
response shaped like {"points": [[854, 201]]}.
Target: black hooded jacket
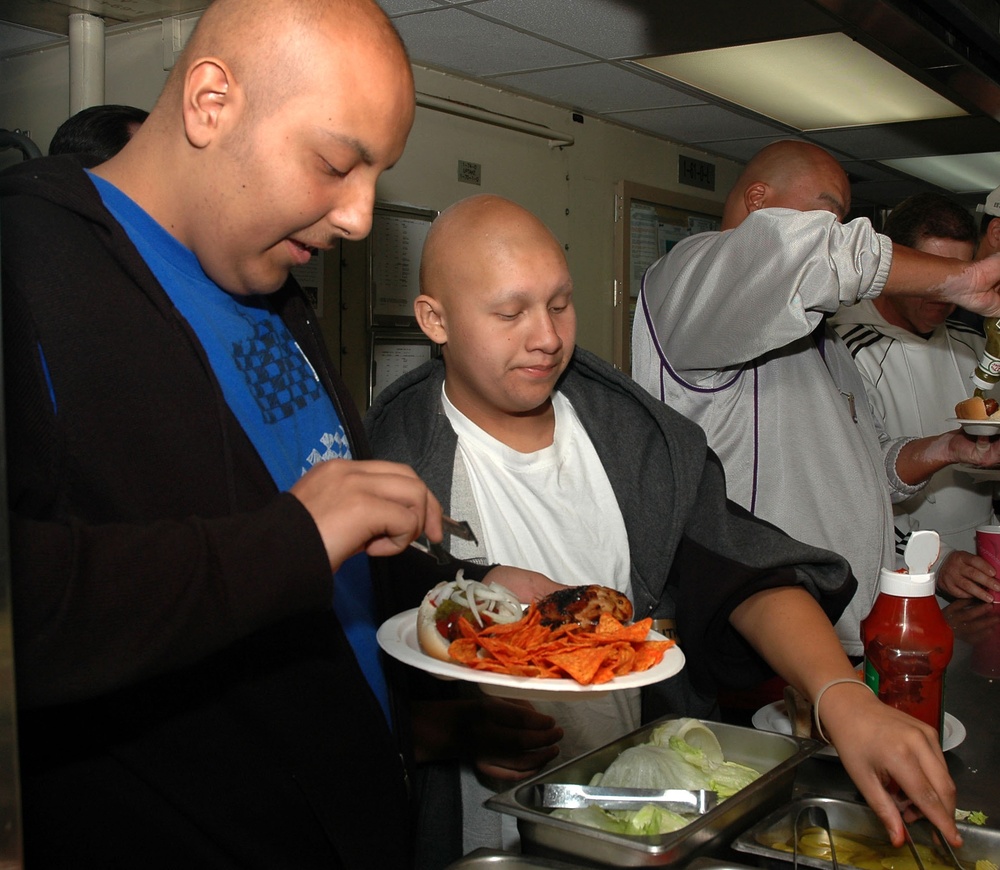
{"points": [[187, 696], [695, 555]]}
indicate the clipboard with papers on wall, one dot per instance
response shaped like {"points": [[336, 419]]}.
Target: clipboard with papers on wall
{"points": [[649, 221], [395, 244], [394, 353]]}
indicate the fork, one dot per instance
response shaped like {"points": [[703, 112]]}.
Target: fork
{"points": [[458, 528]]}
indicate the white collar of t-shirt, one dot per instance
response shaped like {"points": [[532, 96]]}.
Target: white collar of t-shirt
{"points": [[552, 510]]}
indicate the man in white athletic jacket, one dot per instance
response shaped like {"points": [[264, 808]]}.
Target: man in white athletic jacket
{"points": [[730, 331], [916, 363]]}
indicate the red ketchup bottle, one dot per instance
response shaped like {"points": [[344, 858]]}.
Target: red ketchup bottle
{"points": [[907, 641]]}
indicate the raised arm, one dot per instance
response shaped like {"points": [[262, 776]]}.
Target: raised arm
{"points": [[974, 286], [721, 299]]}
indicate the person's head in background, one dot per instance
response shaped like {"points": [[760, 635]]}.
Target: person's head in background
{"points": [[936, 224], [989, 226], [496, 293], [788, 174], [100, 131]]}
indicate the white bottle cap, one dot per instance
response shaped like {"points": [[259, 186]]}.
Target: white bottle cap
{"points": [[906, 585], [921, 551]]}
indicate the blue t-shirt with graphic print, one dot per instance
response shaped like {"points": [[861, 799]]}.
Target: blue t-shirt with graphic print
{"points": [[270, 386]]}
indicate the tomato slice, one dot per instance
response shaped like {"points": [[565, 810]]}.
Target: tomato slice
{"points": [[447, 624]]}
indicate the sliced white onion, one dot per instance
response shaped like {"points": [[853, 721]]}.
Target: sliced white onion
{"points": [[496, 601]]}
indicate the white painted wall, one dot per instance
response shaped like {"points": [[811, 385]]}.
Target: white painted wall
{"points": [[35, 90], [570, 188]]}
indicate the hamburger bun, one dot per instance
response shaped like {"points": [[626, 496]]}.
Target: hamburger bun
{"points": [[978, 408], [481, 604]]}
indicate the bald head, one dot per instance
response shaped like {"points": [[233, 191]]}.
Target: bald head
{"points": [[266, 43], [477, 236], [497, 295], [789, 174]]}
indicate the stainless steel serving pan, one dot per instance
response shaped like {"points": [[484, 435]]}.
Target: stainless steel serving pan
{"points": [[776, 756], [858, 819], [493, 859]]}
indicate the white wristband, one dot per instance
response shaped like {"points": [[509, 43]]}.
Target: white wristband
{"points": [[819, 697]]}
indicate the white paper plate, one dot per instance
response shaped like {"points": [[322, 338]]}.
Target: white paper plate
{"points": [[977, 473], [773, 718], [398, 637], [977, 427]]}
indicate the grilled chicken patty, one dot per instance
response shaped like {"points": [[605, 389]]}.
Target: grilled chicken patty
{"points": [[584, 605]]}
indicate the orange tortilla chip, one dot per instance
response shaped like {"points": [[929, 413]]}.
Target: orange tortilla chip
{"points": [[513, 668], [530, 619], [610, 628], [581, 665], [465, 650], [603, 675], [650, 653], [607, 624], [620, 657]]}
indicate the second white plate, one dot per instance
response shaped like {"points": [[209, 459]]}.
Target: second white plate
{"points": [[977, 473], [772, 717], [398, 637]]}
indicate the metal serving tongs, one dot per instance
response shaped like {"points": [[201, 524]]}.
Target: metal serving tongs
{"points": [[458, 528], [949, 852], [937, 840], [913, 846], [678, 800], [814, 816]]}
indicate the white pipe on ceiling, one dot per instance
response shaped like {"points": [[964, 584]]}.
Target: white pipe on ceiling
{"points": [[464, 110], [86, 61]]}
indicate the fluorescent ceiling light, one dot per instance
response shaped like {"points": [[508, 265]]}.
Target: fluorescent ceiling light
{"points": [[959, 173], [809, 83]]}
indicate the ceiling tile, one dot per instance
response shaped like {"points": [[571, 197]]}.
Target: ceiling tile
{"points": [[741, 150], [914, 139], [860, 171], [697, 124], [618, 29], [14, 37], [600, 87], [605, 28], [403, 7], [475, 46]]}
